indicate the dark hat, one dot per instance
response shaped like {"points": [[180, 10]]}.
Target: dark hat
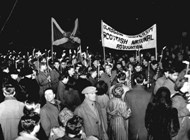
{"points": [[13, 70], [26, 71]]}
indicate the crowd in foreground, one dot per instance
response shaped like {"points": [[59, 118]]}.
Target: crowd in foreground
{"points": [[82, 97]]}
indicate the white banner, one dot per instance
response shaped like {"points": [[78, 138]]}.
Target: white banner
{"points": [[116, 40]]}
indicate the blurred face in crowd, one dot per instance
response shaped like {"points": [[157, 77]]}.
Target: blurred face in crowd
{"points": [[49, 95], [130, 67], [6, 70], [131, 59], [56, 65], [108, 69], [166, 74], [123, 63], [138, 68], [119, 67], [43, 67], [173, 76], [145, 63], [43, 60], [94, 74], [71, 71], [108, 60], [152, 58], [65, 80], [95, 63], [14, 76], [63, 65], [154, 66]]}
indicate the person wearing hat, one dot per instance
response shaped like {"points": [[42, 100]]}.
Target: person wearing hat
{"points": [[11, 110], [29, 84], [14, 74], [91, 113]]}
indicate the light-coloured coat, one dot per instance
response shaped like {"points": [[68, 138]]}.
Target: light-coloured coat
{"points": [[11, 111]]}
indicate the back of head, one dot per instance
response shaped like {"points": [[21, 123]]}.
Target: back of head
{"points": [[82, 70], [74, 125], [163, 96], [118, 90], [139, 78], [28, 122], [101, 87], [121, 76], [8, 89]]}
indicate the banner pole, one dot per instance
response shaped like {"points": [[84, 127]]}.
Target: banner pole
{"points": [[156, 55], [104, 52], [52, 38]]}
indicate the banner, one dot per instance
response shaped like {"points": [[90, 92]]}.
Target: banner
{"points": [[119, 41]]}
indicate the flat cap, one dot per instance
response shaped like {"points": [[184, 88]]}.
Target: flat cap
{"points": [[89, 89]]}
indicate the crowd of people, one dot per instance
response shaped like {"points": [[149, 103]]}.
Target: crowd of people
{"points": [[82, 96]]}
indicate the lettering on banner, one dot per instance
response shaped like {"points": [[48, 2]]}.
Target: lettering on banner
{"points": [[112, 37], [145, 39], [112, 30], [124, 47]]}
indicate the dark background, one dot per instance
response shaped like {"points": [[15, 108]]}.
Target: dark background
{"points": [[29, 25]]}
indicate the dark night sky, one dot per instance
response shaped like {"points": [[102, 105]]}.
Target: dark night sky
{"points": [[30, 23]]}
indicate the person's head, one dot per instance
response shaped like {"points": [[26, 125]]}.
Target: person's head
{"points": [[121, 77], [65, 115], [64, 78], [5, 68], [90, 93], [49, 95], [102, 87], [173, 74], [138, 67], [96, 63], [93, 73], [8, 90], [118, 90], [70, 70], [31, 106], [163, 96], [119, 66], [74, 126], [166, 71], [14, 73], [152, 58], [108, 68], [30, 123], [27, 72], [154, 64], [145, 62], [131, 59], [42, 60], [82, 70], [63, 64], [130, 66], [43, 66], [139, 78], [56, 64]]}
